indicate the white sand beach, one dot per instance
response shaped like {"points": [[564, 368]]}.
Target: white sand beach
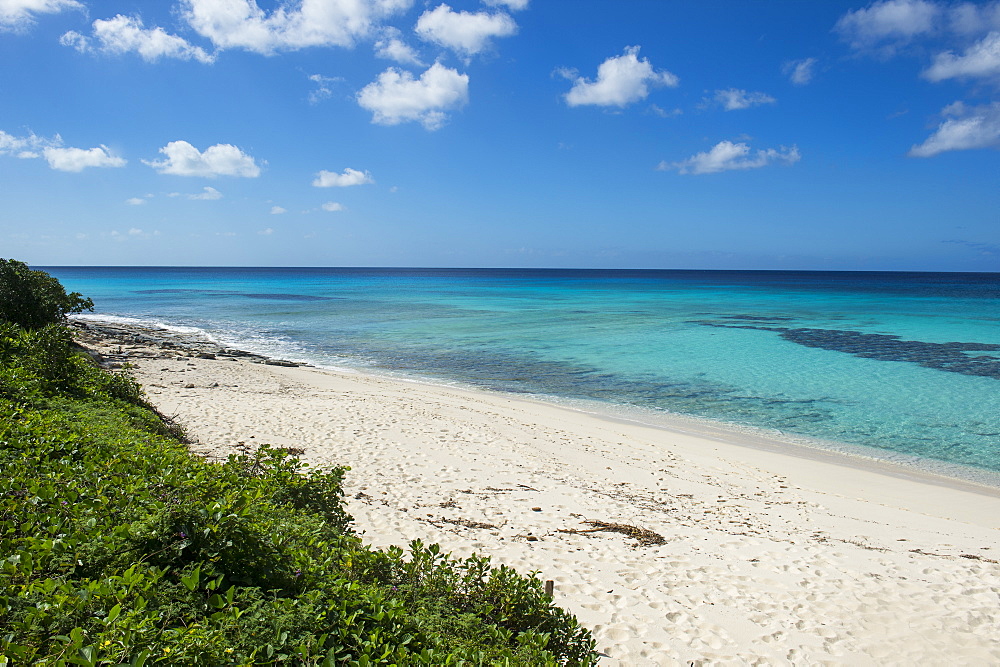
{"points": [[769, 555]]}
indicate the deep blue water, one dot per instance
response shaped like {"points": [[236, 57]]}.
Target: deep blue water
{"points": [[905, 363]]}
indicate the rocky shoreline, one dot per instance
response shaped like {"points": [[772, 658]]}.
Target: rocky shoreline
{"points": [[113, 345]]}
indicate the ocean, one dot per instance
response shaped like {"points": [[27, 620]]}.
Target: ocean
{"points": [[897, 366]]}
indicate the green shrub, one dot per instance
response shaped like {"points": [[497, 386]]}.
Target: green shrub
{"points": [[32, 299], [120, 547]]}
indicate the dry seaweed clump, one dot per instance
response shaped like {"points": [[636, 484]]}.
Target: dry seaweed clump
{"points": [[643, 536]]}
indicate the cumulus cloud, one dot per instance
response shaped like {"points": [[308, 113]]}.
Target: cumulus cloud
{"points": [[727, 155], [135, 201], [183, 159], [207, 194], [397, 97], [800, 72], [266, 232], [391, 47], [277, 210], [20, 14], [733, 99], [965, 128], [58, 156], [621, 80], [26, 147], [886, 25], [465, 33], [981, 60], [127, 34], [78, 159], [329, 179], [292, 25], [333, 206]]}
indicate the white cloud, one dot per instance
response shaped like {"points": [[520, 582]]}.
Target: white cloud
{"points": [[135, 201], [126, 34], [513, 5], [733, 99], [967, 128], [183, 159], [266, 232], [982, 59], [207, 194], [293, 25], [396, 97], [887, 24], [134, 233], [726, 156], [277, 210], [329, 179], [463, 32], [333, 206], [391, 47], [967, 18], [323, 88], [800, 72], [26, 147], [663, 113], [20, 14], [78, 159], [621, 80]]}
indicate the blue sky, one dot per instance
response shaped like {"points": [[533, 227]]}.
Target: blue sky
{"points": [[535, 133]]}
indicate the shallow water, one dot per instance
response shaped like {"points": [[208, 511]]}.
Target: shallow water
{"points": [[905, 363]]}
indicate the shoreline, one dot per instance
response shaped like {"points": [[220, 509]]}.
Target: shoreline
{"points": [[764, 557], [861, 457]]}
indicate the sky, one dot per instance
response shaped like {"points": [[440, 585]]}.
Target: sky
{"points": [[689, 134]]}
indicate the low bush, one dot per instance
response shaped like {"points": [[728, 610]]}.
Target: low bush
{"points": [[32, 299], [119, 547]]}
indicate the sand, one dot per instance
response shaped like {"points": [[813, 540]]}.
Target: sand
{"points": [[769, 554]]}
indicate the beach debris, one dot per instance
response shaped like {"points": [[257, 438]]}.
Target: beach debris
{"points": [[550, 586], [967, 556], [536, 509], [643, 536], [467, 523]]}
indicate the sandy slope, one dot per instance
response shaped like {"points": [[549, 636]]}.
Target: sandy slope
{"points": [[769, 557]]}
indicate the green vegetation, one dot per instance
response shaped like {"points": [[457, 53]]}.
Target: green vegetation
{"points": [[119, 547], [33, 299]]}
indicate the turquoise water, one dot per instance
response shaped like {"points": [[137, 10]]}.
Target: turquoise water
{"points": [[907, 364]]}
